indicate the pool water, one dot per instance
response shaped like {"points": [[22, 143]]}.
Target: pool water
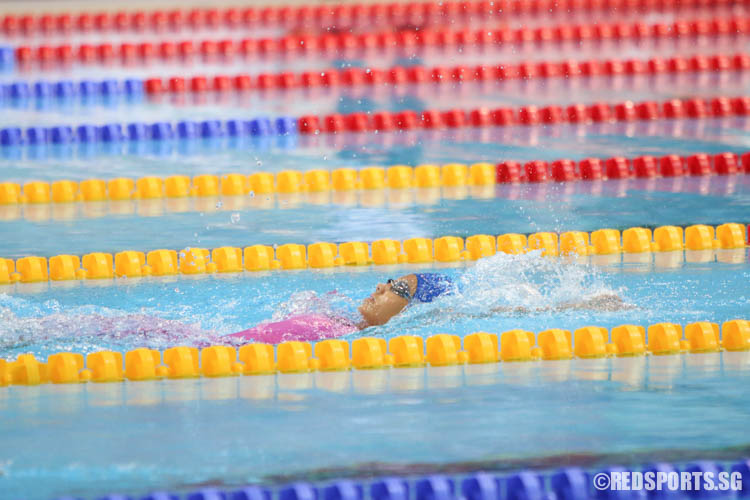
{"points": [[181, 435], [87, 440]]}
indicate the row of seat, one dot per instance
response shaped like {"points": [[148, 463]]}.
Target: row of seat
{"points": [[163, 262], [589, 342]]}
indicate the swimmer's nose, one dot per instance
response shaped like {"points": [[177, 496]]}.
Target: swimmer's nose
{"points": [[380, 288]]}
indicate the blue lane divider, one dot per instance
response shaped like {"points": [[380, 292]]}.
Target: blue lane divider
{"points": [[7, 58], [161, 495], [298, 491], [250, 493], [481, 486], [390, 489], [138, 131], [570, 483], [343, 490], [207, 494], [68, 89]]}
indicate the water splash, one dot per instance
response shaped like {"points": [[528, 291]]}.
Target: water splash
{"points": [[528, 281], [332, 303], [87, 329], [513, 285]]}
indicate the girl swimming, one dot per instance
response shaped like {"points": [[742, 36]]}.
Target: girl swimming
{"points": [[388, 300]]}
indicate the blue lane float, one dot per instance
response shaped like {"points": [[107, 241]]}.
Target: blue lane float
{"points": [[392, 488], [7, 58], [68, 89], [139, 131], [570, 483]]}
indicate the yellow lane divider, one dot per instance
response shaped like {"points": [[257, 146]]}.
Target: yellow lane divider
{"points": [[135, 264], [287, 181], [156, 207], [373, 353]]}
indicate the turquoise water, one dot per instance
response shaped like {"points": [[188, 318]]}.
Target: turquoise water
{"points": [[365, 216], [182, 435], [329, 151]]}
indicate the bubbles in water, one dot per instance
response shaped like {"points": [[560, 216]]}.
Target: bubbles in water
{"points": [[88, 329], [309, 302], [515, 284]]}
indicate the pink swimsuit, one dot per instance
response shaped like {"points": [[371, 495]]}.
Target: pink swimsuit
{"points": [[304, 327]]}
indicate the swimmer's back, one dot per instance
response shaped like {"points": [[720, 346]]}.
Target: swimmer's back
{"points": [[303, 328]]}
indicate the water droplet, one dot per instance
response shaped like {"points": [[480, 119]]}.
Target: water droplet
{"points": [[259, 163], [234, 218], [219, 204]]}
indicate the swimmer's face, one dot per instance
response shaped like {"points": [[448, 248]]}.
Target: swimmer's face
{"points": [[382, 305]]}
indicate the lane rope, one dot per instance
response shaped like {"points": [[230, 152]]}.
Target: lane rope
{"points": [[384, 121], [340, 16], [243, 83], [572, 481], [371, 178], [185, 362], [225, 50], [129, 264]]}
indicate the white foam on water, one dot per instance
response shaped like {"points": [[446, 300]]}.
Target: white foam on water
{"points": [[516, 284], [50, 327]]}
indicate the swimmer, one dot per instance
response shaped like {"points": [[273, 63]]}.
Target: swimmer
{"points": [[388, 300]]}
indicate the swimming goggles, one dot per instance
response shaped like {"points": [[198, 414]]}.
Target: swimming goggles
{"points": [[400, 288]]}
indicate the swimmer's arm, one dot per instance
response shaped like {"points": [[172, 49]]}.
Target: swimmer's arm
{"points": [[603, 302]]}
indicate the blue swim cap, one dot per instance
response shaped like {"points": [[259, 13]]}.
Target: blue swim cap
{"points": [[432, 285]]}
